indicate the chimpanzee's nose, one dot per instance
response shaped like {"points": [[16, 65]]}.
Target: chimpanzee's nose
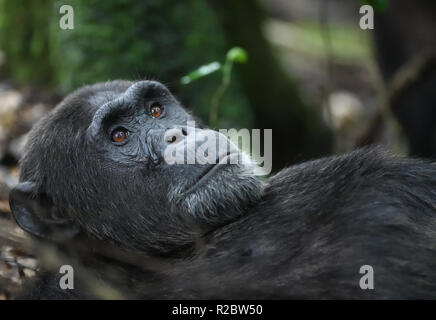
{"points": [[175, 135]]}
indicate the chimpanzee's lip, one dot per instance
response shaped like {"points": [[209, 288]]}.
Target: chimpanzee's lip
{"points": [[204, 176]]}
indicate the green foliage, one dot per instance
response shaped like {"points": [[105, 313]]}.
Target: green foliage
{"points": [[201, 72], [158, 39], [129, 39], [235, 54], [24, 39]]}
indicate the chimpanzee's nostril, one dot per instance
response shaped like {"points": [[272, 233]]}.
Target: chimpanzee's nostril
{"points": [[174, 135]]}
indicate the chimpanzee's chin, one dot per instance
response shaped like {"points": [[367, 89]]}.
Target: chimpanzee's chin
{"points": [[224, 196]]}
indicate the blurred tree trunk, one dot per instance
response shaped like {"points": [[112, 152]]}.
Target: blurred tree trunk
{"points": [[406, 53], [298, 130], [24, 38]]}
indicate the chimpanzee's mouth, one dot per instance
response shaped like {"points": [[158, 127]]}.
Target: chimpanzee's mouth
{"points": [[203, 177]]}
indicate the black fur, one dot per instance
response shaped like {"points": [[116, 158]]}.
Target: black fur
{"points": [[303, 233]]}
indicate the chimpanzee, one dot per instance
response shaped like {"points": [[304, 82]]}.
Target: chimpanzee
{"points": [[98, 195]]}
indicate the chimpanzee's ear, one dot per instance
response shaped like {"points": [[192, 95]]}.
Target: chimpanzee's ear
{"points": [[35, 214]]}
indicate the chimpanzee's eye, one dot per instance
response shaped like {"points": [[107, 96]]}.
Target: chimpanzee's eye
{"points": [[119, 135], [156, 110]]}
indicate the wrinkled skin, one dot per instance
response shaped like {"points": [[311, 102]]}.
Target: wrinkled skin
{"points": [[129, 222]]}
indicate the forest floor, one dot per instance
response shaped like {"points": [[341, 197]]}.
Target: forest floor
{"points": [[20, 108]]}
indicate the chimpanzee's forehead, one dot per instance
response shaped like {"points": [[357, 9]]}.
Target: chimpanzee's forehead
{"points": [[103, 93], [90, 98], [85, 103], [100, 98]]}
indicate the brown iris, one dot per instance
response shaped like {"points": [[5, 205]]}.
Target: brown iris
{"points": [[156, 110], [119, 135]]}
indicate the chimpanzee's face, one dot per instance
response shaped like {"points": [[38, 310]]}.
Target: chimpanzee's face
{"points": [[124, 162]]}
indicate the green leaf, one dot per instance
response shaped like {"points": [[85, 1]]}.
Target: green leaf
{"points": [[237, 54], [201, 72]]}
